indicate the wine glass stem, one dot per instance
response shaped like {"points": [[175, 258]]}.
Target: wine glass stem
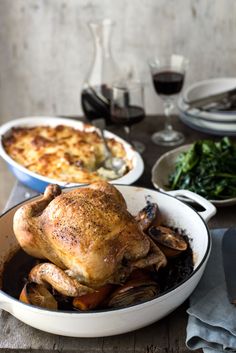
{"points": [[128, 133], [168, 107]]}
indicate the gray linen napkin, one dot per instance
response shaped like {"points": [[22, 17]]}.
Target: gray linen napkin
{"points": [[212, 319]]}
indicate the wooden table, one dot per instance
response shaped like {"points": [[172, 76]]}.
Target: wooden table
{"points": [[167, 335]]}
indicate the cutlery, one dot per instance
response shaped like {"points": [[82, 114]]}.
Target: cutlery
{"points": [[112, 163], [200, 103], [229, 262]]}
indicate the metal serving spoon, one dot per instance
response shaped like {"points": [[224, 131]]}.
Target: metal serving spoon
{"points": [[112, 163]]}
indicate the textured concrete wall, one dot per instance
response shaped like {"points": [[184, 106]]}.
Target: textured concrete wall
{"points": [[46, 48]]}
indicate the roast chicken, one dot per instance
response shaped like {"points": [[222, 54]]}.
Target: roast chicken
{"points": [[86, 236]]}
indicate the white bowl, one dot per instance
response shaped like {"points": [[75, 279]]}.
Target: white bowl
{"points": [[112, 322], [205, 88], [38, 182], [165, 166]]}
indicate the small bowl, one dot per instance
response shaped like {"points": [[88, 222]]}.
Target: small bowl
{"points": [[206, 88], [165, 165]]}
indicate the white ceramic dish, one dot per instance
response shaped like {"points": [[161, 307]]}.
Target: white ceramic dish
{"points": [[205, 88], [106, 323], [165, 165], [39, 182], [226, 117], [207, 126]]}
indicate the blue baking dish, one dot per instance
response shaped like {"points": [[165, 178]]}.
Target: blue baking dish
{"points": [[38, 182]]}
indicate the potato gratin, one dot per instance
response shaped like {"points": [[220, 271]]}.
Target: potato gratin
{"points": [[63, 153]]}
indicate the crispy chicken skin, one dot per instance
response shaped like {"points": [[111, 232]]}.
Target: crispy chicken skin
{"points": [[88, 232]]}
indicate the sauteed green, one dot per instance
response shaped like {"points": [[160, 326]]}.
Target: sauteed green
{"points": [[208, 168]]}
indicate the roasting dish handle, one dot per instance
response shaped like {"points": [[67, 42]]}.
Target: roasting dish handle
{"points": [[209, 208]]}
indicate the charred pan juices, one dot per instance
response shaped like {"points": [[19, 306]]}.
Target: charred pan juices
{"points": [[90, 252], [63, 153]]}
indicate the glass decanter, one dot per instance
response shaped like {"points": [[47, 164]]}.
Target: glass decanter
{"points": [[96, 93]]}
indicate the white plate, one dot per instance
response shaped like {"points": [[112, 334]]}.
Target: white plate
{"points": [[39, 182], [165, 165], [205, 88], [210, 127]]}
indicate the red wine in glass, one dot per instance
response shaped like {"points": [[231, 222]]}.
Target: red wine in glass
{"points": [[127, 116], [168, 82], [127, 108], [168, 74]]}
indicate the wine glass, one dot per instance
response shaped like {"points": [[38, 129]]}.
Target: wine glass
{"points": [[168, 74], [127, 108]]}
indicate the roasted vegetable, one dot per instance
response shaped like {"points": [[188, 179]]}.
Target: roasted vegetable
{"points": [[139, 287], [38, 295], [169, 241], [92, 300], [208, 168], [149, 215]]}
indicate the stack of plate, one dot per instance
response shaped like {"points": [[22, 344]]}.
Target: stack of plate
{"points": [[217, 122]]}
